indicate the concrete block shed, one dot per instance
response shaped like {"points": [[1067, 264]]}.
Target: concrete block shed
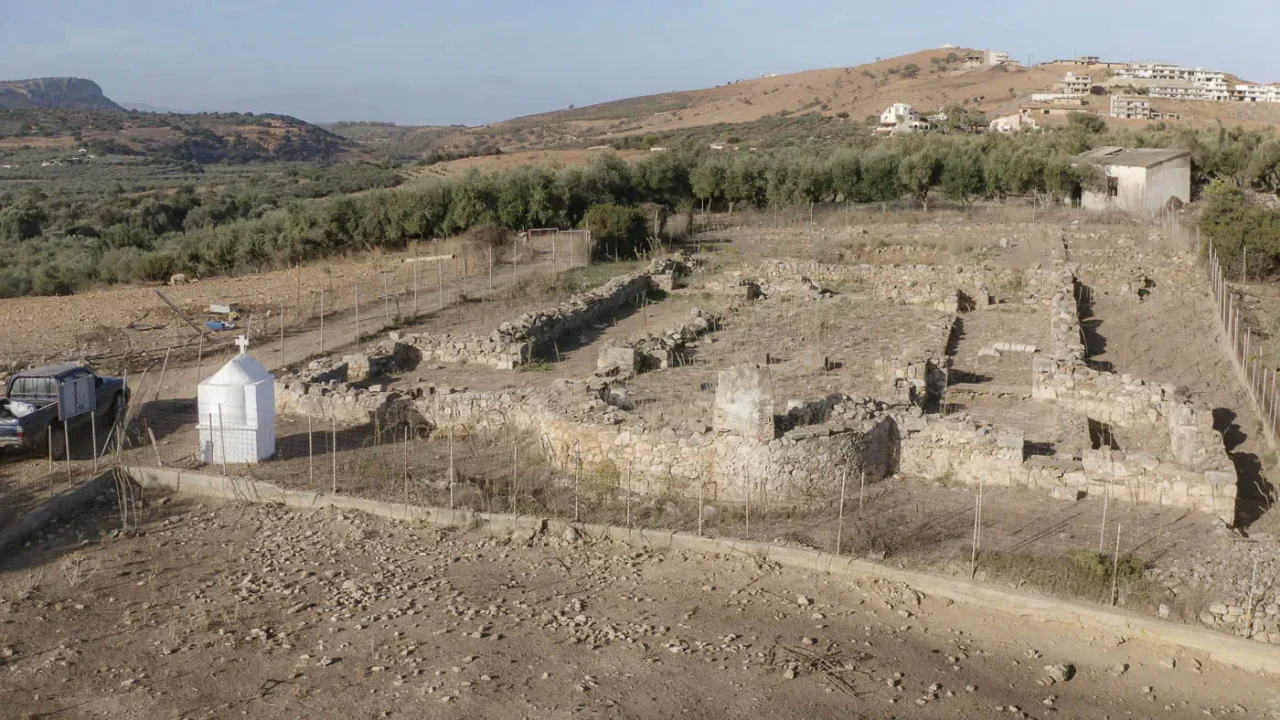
{"points": [[1141, 181]]}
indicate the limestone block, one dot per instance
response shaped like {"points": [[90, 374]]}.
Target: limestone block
{"points": [[624, 358]]}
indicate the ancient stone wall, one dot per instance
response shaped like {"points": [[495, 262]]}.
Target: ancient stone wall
{"points": [[515, 343], [1193, 470], [805, 464]]}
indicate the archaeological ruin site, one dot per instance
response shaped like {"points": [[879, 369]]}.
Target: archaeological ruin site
{"points": [[1055, 415]]}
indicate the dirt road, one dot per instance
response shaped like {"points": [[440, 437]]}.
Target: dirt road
{"points": [[220, 610]]}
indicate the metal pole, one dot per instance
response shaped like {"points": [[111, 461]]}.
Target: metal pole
{"points": [[311, 455], [386, 299], [322, 321], [222, 439], [862, 486], [748, 506], [577, 482], [1253, 585], [163, 368], [1102, 532], [844, 479], [49, 436], [333, 428], [93, 430], [515, 476], [1115, 566], [628, 494], [699, 504], [406, 466], [199, 357], [281, 334], [450, 467], [440, 279], [415, 289], [491, 268]]}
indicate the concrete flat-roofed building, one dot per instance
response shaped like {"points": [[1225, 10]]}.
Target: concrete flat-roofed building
{"points": [[1138, 180], [1130, 107], [1074, 85], [1256, 93], [995, 57], [1012, 123]]}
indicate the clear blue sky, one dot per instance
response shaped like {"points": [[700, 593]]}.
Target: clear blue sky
{"points": [[450, 61]]}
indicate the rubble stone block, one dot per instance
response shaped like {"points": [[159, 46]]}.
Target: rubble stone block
{"points": [[744, 402]]}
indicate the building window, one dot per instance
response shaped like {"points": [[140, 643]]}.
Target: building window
{"points": [[1113, 187]]}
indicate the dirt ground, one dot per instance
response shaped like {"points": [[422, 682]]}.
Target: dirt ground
{"points": [[214, 610]]}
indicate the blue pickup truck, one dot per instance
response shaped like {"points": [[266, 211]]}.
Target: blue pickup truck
{"points": [[48, 399]]}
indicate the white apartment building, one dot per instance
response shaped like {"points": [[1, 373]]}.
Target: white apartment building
{"points": [[1176, 82], [995, 57], [1256, 93], [1130, 107], [1076, 85]]}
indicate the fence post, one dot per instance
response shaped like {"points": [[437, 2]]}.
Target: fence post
{"points": [[386, 299], [1102, 531], [406, 467], [333, 428], [222, 439], [163, 368], [357, 296], [515, 476], [440, 279], [699, 503], [844, 479], [311, 455], [862, 486], [491, 268], [748, 506], [628, 495], [1253, 586], [322, 321], [577, 482], [199, 357], [450, 467], [1115, 566], [415, 289], [282, 335], [49, 436], [93, 437]]}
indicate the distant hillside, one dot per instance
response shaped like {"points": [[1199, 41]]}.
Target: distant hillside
{"points": [[754, 109], [201, 138], [70, 93]]}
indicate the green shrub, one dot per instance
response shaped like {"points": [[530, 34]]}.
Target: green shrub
{"points": [[617, 231]]}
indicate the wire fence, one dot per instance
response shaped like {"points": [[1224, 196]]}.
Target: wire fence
{"points": [[1096, 549], [1093, 549]]}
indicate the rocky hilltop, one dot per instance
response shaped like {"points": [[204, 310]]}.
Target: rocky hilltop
{"points": [[63, 92]]}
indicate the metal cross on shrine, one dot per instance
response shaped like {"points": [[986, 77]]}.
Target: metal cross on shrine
{"points": [[243, 343]]}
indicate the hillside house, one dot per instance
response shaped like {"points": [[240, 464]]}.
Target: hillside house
{"points": [[1012, 123], [1140, 181], [900, 118]]}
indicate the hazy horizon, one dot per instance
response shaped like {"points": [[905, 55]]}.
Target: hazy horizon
{"points": [[489, 60]]}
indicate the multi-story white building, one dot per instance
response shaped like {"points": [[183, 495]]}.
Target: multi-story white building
{"points": [[1256, 93], [1130, 107], [1176, 82], [995, 57], [1074, 85]]}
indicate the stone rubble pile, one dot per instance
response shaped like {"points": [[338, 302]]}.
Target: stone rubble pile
{"points": [[655, 351]]}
